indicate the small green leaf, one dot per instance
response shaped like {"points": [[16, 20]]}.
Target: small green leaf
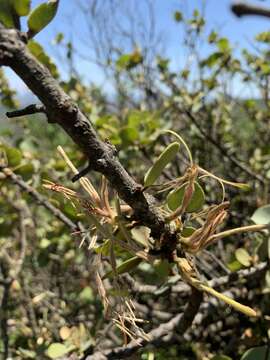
{"points": [[175, 198], [178, 17], [223, 44], [37, 50], [27, 354], [256, 353], [163, 160], [187, 231], [234, 265], [57, 350], [262, 215], [6, 17], [14, 156], [86, 295], [22, 7], [129, 61], [243, 257], [103, 249], [126, 266], [41, 16], [26, 171]]}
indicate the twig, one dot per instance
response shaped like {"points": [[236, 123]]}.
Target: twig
{"points": [[4, 312], [240, 230], [28, 110], [16, 179], [243, 8], [223, 151]]}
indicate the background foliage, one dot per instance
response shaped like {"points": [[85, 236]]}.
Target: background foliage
{"points": [[53, 297]]}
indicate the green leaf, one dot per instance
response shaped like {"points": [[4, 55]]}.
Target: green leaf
{"points": [[243, 257], [212, 37], [126, 266], [163, 160], [221, 357], [26, 171], [129, 134], [41, 16], [27, 354], [14, 156], [178, 17], [22, 7], [86, 295], [57, 350], [175, 198], [129, 61], [234, 265], [212, 60], [6, 17], [223, 44], [187, 231], [257, 353], [103, 249], [37, 50], [263, 37], [262, 215]]}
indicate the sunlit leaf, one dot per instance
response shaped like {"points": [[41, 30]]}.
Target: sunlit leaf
{"points": [[37, 50], [22, 7], [262, 215], [57, 350], [243, 257], [14, 156], [86, 295], [42, 15], [163, 160]]}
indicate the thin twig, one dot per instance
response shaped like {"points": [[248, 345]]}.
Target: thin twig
{"points": [[28, 110], [243, 8]]}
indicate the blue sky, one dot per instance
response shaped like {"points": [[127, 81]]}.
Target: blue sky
{"points": [[217, 12]]}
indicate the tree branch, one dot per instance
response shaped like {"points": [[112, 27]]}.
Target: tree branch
{"points": [[61, 109], [16, 179], [243, 9], [28, 110]]}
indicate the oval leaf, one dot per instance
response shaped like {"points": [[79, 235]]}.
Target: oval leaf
{"points": [[126, 266], [257, 353], [22, 7], [175, 198], [243, 257], [141, 234], [163, 160], [187, 231], [14, 156], [37, 50], [262, 215], [6, 17], [57, 350], [41, 16]]}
